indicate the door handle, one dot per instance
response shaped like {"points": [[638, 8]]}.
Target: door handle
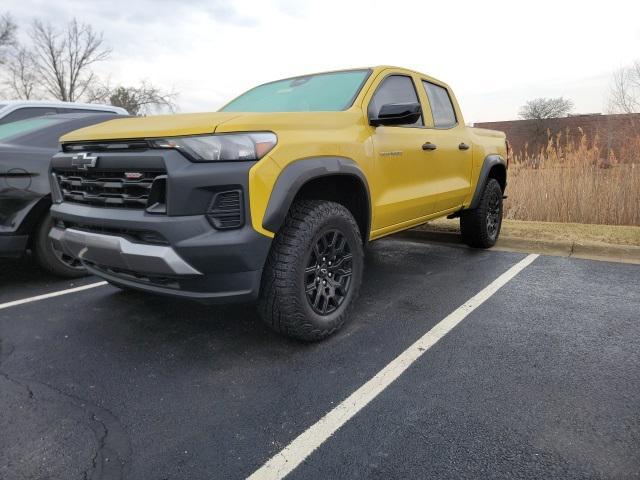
{"points": [[429, 146], [463, 146]]}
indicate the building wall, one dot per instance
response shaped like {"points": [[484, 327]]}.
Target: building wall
{"points": [[612, 131]]}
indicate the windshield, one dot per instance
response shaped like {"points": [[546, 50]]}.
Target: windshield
{"points": [[18, 127], [323, 92]]}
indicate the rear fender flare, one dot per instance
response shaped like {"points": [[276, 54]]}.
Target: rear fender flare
{"points": [[489, 162]]}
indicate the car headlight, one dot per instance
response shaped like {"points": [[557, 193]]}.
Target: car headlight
{"points": [[221, 147]]}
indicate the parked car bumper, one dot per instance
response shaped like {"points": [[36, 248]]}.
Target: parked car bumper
{"points": [[13, 246]]}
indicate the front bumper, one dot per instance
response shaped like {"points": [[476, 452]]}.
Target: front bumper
{"points": [[177, 253], [120, 253], [196, 262]]}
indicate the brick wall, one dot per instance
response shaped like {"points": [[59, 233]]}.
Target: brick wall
{"points": [[612, 131]]}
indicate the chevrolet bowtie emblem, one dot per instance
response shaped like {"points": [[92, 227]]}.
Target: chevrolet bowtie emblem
{"points": [[83, 161]]}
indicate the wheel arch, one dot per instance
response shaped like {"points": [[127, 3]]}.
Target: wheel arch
{"points": [[493, 166], [331, 178]]}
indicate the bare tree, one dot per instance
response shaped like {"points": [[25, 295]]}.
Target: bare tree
{"points": [[141, 100], [57, 62], [21, 77], [7, 34], [624, 96], [63, 59], [545, 108]]}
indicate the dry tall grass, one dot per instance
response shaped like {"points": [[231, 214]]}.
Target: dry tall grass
{"points": [[581, 182]]}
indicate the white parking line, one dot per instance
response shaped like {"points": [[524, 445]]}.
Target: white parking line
{"points": [[50, 295], [294, 454]]}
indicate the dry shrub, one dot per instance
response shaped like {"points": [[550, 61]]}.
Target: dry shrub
{"points": [[576, 181]]}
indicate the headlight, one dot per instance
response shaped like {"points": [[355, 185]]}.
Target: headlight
{"points": [[222, 147]]}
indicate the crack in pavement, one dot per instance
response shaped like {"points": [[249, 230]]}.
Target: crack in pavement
{"points": [[111, 457], [17, 382]]}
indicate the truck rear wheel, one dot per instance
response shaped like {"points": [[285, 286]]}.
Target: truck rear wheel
{"points": [[313, 273], [480, 227]]}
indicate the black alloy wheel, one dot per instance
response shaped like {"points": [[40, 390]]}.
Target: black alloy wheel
{"points": [[327, 277], [494, 213]]}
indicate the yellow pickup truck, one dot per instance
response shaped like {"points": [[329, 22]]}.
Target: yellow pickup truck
{"points": [[273, 197]]}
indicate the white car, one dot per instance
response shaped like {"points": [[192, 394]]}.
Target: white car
{"points": [[13, 110]]}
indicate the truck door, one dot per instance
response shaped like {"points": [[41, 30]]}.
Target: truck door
{"points": [[451, 163], [401, 165]]}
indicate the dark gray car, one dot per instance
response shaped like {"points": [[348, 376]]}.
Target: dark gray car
{"points": [[26, 147]]}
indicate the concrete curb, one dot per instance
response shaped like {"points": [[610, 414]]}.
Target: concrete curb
{"points": [[563, 248]]}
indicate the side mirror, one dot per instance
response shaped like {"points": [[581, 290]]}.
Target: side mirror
{"points": [[397, 114]]}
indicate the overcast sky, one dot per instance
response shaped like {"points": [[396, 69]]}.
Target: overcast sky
{"points": [[495, 54]]}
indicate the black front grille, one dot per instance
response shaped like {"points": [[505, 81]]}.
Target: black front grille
{"points": [[225, 211], [114, 189]]}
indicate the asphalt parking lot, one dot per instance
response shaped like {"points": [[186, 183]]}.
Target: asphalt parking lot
{"points": [[541, 380]]}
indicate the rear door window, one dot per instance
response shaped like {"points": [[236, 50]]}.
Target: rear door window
{"points": [[394, 89], [444, 116]]}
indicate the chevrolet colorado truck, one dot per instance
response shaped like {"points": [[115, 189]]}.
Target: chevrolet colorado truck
{"points": [[274, 197]]}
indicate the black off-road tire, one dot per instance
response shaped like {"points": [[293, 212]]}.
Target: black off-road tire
{"points": [[51, 260], [480, 227], [286, 299]]}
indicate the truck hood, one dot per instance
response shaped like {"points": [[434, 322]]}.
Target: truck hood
{"points": [[204, 123], [152, 126]]}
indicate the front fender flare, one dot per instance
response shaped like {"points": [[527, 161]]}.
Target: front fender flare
{"points": [[298, 173]]}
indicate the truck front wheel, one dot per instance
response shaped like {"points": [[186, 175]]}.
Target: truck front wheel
{"points": [[313, 273], [480, 227]]}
